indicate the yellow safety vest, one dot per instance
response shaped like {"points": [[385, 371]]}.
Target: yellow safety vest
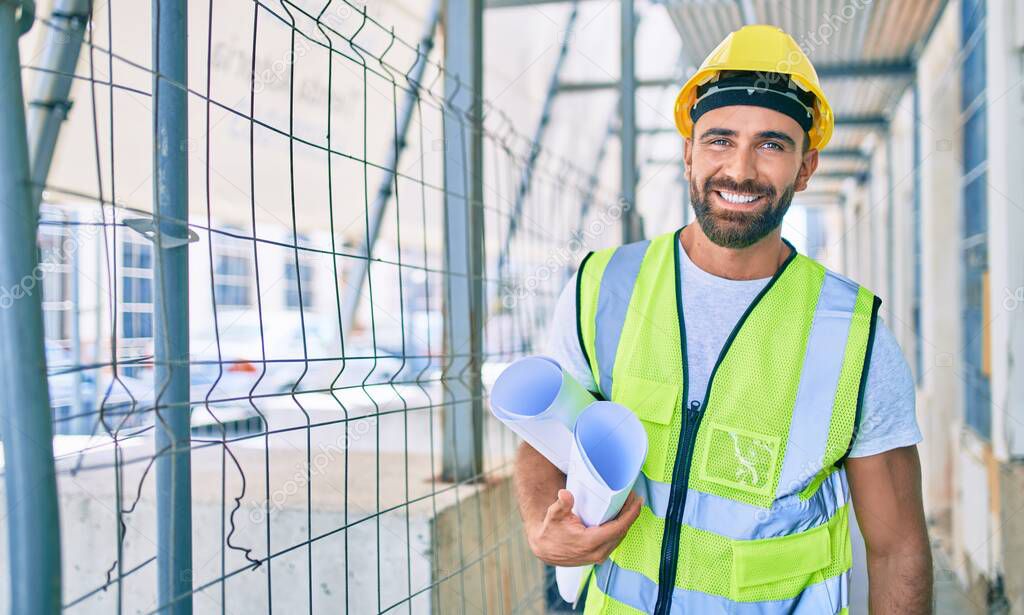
{"points": [[745, 495]]}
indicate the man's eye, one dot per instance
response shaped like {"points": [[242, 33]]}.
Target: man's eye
{"points": [[719, 142], [773, 145]]}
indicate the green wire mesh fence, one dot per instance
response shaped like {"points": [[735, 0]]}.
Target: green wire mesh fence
{"points": [[320, 298]]}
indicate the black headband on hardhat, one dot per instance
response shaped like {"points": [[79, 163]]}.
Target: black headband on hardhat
{"points": [[775, 91]]}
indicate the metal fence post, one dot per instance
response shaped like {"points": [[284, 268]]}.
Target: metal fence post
{"points": [[33, 530], [170, 308], [462, 456], [631, 230]]}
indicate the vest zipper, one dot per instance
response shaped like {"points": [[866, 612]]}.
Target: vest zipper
{"points": [[676, 505], [691, 418]]}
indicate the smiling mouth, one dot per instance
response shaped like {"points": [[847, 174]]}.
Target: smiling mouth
{"points": [[738, 198]]}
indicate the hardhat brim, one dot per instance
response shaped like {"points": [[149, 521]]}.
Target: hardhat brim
{"points": [[819, 134]]}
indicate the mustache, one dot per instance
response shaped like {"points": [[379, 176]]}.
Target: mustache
{"points": [[748, 186]]}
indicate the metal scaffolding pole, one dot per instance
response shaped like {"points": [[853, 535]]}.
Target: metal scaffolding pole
{"points": [[588, 196], [462, 431], [49, 105], [33, 529], [538, 137], [170, 308], [631, 230], [357, 276]]}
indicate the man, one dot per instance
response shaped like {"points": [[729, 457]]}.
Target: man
{"points": [[771, 393]]}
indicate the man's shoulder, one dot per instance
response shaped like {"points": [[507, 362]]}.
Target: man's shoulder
{"points": [[640, 245], [835, 275]]}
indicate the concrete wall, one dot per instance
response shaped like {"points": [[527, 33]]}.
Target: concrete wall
{"points": [[483, 537], [940, 396], [381, 529]]}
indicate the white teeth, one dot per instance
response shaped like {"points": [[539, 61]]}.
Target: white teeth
{"points": [[732, 197]]}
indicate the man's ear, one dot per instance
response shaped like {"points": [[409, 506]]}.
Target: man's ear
{"points": [[687, 157], [808, 166]]}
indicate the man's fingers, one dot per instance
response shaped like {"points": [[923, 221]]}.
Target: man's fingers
{"points": [[616, 528], [630, 511], [562, 505]]}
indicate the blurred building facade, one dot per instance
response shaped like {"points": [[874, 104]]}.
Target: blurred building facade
{"points": [[936, 229]]}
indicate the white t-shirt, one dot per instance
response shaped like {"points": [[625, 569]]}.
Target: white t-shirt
{"points": [[713, 306]]}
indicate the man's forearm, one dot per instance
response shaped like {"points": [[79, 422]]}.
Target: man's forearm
{"points": [[537, 483], [901, 582]]}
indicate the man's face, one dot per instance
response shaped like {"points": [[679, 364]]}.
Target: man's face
{"points": [[744, 164]]}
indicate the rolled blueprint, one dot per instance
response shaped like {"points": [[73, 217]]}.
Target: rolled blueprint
{"points": [[540, 402], [599, 445], [608, 449]]}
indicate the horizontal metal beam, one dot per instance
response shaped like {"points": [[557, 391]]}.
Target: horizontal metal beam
{"points": [[820, 201], [847, 152], [657, 130], [818, 195], [859, 122], [663, 161], [865, 121], [860, 176], [594, 86], [898, 68], [504, 4]]}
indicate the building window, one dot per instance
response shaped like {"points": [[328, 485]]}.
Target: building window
{"points": [[974, 244], [232, 271], [55, 265], [136, 289], [292, 280]]}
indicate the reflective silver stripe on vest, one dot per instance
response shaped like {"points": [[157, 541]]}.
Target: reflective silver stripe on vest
{"points": [[741, 521], [823, 361], [614, 293], [634, 589]]}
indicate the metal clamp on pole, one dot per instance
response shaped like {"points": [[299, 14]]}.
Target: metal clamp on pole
{"points": [[180, 236]]}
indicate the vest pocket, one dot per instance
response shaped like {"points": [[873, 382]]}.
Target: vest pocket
{"points": [[650, 400], [655, 404], [760, 567]]}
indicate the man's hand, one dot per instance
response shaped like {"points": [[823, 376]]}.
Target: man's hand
{"points": [[555, 534], [563, 540], [886, 491]]}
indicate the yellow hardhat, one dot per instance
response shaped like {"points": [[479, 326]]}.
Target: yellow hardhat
{"points": [[762, 49]]}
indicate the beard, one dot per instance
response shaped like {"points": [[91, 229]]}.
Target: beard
{"points": [[739, 229]]}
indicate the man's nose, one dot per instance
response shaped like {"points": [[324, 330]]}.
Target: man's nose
{"points": [[741, 166]]}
